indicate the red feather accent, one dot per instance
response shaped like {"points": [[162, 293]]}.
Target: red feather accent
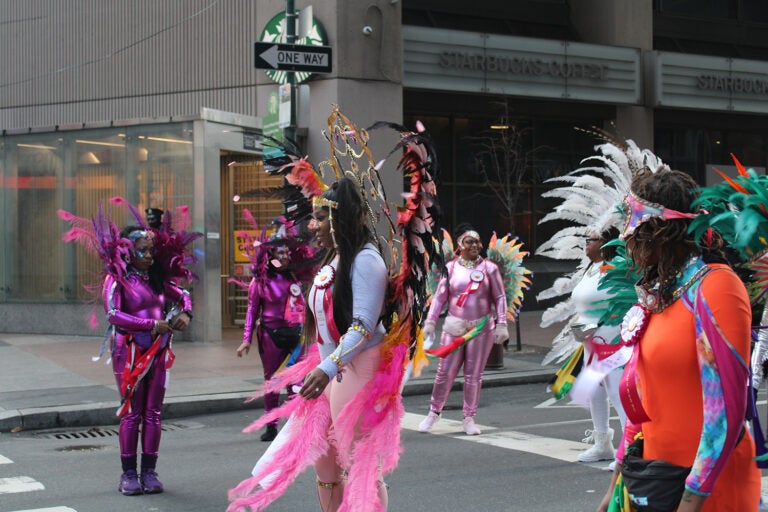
{"points": [[739, 166], [304, 176], [735, 185]]}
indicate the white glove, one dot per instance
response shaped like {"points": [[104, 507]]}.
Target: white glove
{"points": [[429, 334], [501, 334]]}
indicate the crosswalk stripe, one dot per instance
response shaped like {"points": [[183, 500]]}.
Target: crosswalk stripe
{"points": [[5, 460], [554, 448], [19, 484], [49, 509]]}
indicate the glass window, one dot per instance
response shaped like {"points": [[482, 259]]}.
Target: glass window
{"points": [[78, 171], [32, 180], [699, 8], [754, 11]]}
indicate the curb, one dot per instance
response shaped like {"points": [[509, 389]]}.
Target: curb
{"points": [[103, 413]]}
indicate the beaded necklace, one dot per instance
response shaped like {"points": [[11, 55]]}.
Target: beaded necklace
{"points": [[653, 295], [469, 263]]}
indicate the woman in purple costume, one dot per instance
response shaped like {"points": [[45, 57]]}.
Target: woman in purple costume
{"points": [[473, 288], [275, 303], [144, 307]]}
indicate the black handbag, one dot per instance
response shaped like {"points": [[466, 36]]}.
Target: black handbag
{"points": [[285, 338], [652, 485]]}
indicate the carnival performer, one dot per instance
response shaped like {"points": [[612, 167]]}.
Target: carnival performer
{"points": [[137, 306], [144, 304], [473, 290], [687, 398], [600, 341], [363, 315], [592, 197], [275, 313]]}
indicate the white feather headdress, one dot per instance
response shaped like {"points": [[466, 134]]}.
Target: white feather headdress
{"points": [[592, 199]]}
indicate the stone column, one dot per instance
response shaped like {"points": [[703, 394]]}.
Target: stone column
{"points": [[621, 23]]}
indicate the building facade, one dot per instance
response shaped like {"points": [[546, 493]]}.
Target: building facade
{"points": [[160, 102]]}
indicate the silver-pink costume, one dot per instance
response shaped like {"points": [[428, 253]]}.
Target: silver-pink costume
{"points": [[278, 302], [132, 309], [467, 304]]}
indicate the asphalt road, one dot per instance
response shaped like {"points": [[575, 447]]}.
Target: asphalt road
{"points": [[524, 461]]}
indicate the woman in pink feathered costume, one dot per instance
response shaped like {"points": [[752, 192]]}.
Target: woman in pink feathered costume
{"points": [[335, 424]]}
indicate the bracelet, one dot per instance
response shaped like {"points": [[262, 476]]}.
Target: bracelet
{"points": [[357, 326], [189, 314], [337, 360], [155, 327]]}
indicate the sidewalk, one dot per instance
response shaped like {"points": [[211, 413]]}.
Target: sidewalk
{"points": [[50, 381]]}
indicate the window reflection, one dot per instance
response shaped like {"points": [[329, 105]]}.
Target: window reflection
{"points": [[148, 165]]}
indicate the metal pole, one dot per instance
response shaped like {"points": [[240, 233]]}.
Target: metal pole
{"points": [[290, 38]]}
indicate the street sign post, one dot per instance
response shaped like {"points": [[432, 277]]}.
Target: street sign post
{"points": [[292, 57]]}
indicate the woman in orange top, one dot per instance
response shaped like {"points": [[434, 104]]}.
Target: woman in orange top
{"points": [[685, 385]]}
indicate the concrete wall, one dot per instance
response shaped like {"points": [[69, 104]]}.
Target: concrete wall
{"points": [[621, 23], [76, 61]]}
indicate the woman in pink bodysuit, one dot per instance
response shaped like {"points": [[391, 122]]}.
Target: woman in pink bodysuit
{"points": [[473, 288], [144, 309]]}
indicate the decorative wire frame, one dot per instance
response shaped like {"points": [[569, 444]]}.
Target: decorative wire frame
{"points": [[348, 144]]}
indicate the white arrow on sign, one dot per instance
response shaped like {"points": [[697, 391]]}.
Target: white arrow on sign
{"points": [[274, 57], [270, 56]]}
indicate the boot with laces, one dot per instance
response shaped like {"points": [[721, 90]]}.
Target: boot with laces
{"points": [[603, 449], [429, 422], [468, 424]]}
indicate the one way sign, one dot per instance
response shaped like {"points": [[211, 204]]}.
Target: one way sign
{"points": [[293, 57]]}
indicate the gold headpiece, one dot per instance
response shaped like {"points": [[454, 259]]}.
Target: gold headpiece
{"points": [[319, 201]]}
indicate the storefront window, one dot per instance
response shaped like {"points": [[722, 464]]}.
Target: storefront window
{"points": [[31, 183], [699, 8], [549, 148], [692, 149], [77, 171]]}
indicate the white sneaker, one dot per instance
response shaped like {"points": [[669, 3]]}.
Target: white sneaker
{"points": [[612, 465], [469, 426], [428, 422]]}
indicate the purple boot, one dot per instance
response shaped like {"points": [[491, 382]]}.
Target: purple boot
{"points": [[129, 483], [150, 483]]}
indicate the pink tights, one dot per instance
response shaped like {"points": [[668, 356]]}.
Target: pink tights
{"points": [[330, 475]]}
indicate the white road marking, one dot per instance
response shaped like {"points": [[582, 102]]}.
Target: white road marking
{"points": [[49, 509], [19, 484], [560, 449], [5, 460], [562, 403]]}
